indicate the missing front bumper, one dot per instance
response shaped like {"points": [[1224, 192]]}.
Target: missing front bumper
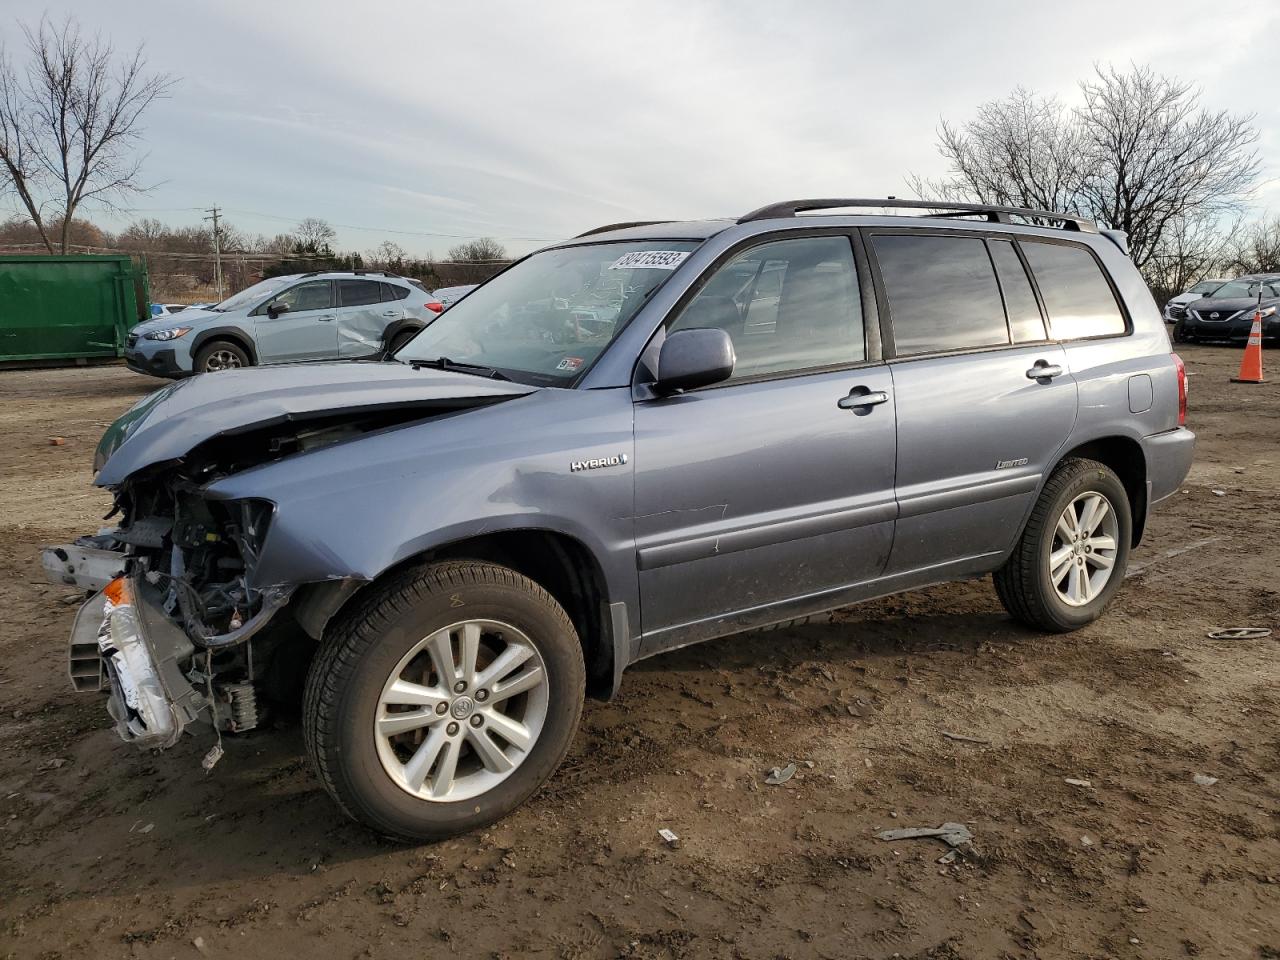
{"points": [[139, 652]]}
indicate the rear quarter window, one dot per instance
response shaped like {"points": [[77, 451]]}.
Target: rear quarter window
{"points": [[1076, 294]]}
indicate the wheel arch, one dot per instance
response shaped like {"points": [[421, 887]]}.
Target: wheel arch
{"points": [[232, 334], [560, 563], [1124, 456]]}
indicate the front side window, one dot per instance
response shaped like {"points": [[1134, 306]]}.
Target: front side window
{"points": [[942, 293], [546, 319], [358, 293], [787, 305], [1076, 295], [316, 295]]}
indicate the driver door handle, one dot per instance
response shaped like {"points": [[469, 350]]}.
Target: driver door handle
{"points": [[326, 319], [861, 397], [1044, 371]]}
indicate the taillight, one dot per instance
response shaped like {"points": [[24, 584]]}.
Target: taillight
{"points": [[435, 306], [1182, 389]]}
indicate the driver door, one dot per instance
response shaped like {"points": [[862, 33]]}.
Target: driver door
{"points": [[307, 331]]}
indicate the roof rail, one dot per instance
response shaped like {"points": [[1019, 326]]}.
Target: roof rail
{"points": [[789, 208], [621, 226]]}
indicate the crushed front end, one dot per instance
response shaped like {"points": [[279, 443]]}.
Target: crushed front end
{"points": [[176, 632]]}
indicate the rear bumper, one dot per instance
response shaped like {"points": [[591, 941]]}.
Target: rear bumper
{"points": [[134, 652], [1168, 457]]}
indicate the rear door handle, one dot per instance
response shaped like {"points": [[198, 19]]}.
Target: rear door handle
{"points": [[391, 313], [862, 397], [1044, 371], [326, 319]]}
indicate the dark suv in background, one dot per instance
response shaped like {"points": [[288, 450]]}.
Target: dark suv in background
{"points": [[776, 416]]}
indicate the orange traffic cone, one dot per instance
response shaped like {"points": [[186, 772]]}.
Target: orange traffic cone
{"points": [[1251, 364]]}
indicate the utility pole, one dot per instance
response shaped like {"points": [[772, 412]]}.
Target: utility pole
{"points": [[214, 212]]}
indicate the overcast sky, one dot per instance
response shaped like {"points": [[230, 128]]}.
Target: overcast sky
{"points": [[532, 121]]}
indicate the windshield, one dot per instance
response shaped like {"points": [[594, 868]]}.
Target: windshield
{"points": [[252, 296], [1239, 289], [1206, 287], [546, 319]]}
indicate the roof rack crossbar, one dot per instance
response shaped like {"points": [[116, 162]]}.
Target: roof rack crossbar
{"points": [[994, 214], [621, 226]]}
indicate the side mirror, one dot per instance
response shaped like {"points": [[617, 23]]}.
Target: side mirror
{"points": [[694, 358], [277, 307]]}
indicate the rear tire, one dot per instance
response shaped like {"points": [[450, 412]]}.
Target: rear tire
{"points": [[399, 340], [401, 730], [218, 355], [1071, 557]]}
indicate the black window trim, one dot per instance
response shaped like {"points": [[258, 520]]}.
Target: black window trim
{"points": [[871, 325], [886, 319]]}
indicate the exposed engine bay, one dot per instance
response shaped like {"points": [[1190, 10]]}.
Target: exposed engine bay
{"points": [[190, 559]]}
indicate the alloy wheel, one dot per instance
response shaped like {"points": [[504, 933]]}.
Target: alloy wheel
{"points": [[1082, 553], [221, 360], [461, 710]]}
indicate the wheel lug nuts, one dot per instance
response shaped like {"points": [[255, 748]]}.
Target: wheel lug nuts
{"points": [[460, 686], [476, 720], [451, 729], [482, 695], [442, 708]]}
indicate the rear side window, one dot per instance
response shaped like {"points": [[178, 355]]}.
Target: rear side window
{"points": [[942, 293], [1076, 295], [1025, 323], [358, 293], [788, 305], [391, 291]]}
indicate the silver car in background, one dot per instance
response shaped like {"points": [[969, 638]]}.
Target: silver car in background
{"points": [[339, 315]]}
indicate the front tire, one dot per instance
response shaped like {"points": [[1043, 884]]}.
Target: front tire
{"points": [[1071, 557], [218, 355], [443, 699], [1180, 333]]}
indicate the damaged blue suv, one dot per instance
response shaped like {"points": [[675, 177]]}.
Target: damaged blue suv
{"points": [[649, 435]]}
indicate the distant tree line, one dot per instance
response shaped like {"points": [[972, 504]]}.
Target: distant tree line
{"points": [[180, 260], [1137, 153]]}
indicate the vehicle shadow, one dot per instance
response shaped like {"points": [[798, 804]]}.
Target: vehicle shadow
{"points": [[261, 812]]}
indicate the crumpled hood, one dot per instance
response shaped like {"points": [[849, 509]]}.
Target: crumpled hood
{"points": [[169, 423]]}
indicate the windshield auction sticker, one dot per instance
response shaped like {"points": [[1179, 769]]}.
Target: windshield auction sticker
{"points": [[650, 260]]}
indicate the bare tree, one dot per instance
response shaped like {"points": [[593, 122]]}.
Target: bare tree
{"points": [[1019, 152], [473, 262], [316, 236], [1191, 248], [1138, 155], [388, 255], [70, 124], [1256, 249]]}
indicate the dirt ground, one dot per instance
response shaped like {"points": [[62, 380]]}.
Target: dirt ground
{"points": [[109, 852]]}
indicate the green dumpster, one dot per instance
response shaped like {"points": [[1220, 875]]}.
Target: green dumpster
{"points": [[69, 307]]}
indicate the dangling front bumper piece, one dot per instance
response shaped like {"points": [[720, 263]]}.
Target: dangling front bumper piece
{"points": [[122, 640]]}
